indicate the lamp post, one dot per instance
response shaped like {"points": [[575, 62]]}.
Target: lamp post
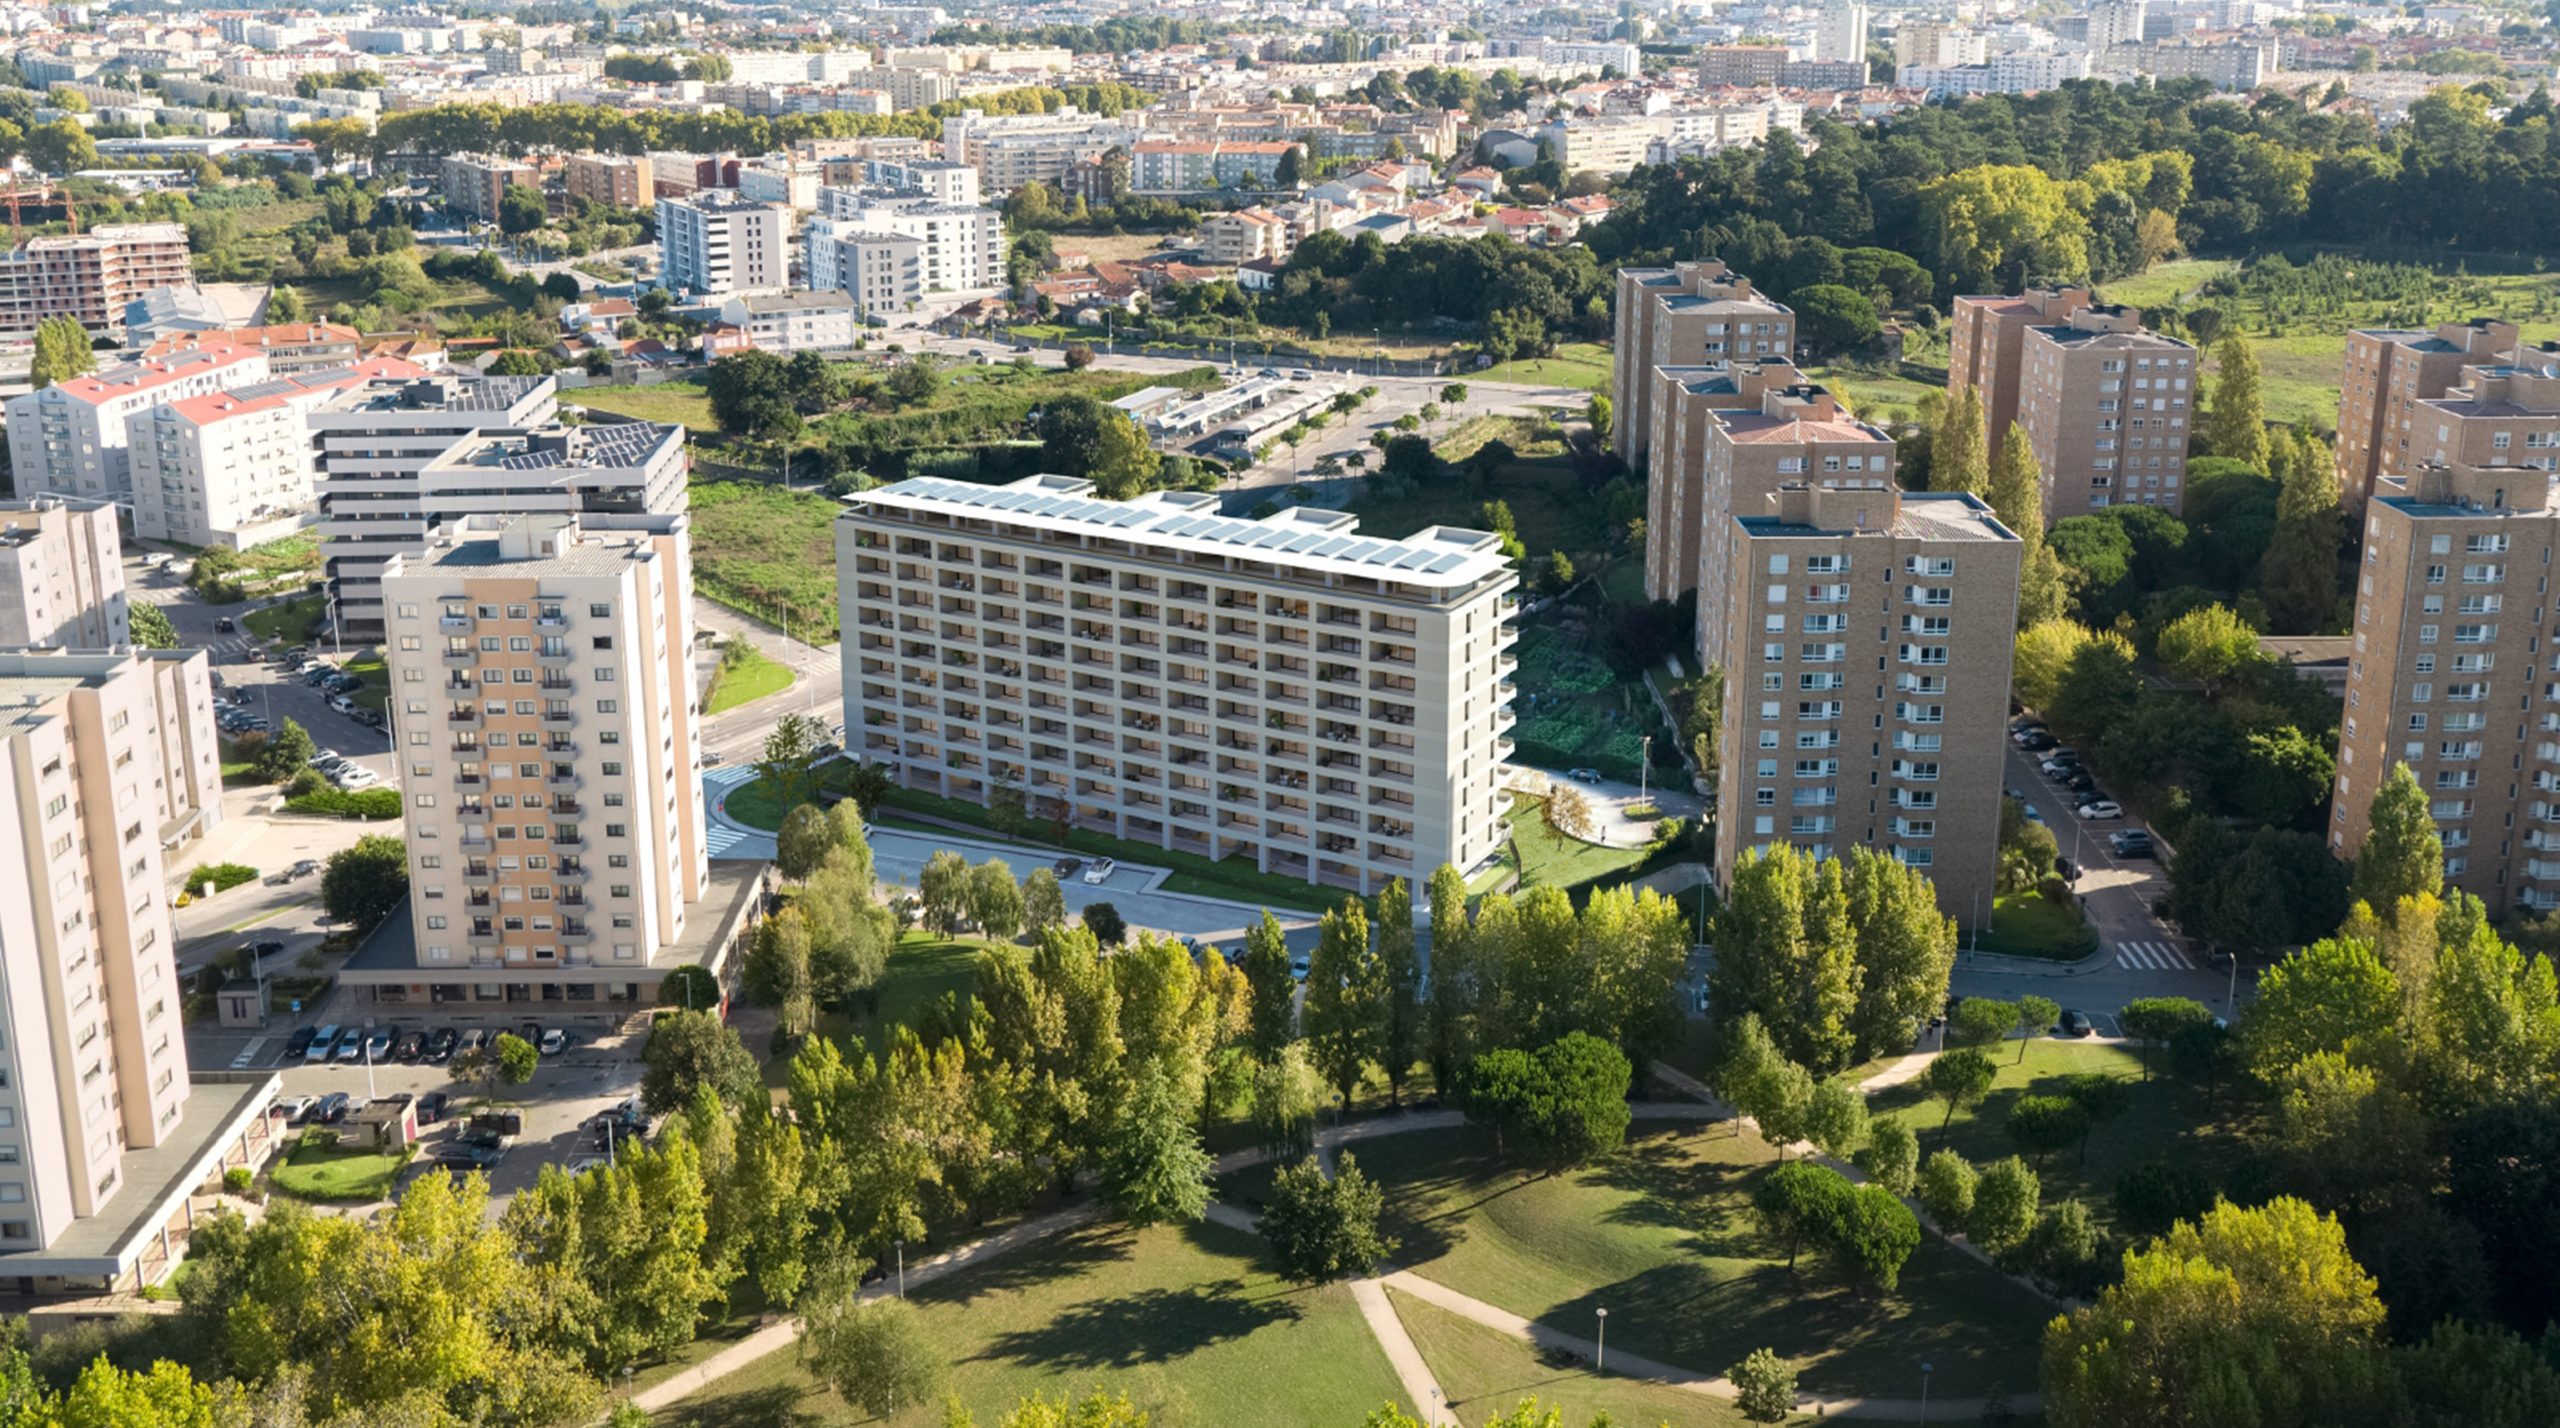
{"points": [[1644, 772], [902, 1269], [1924, 1392], [1600, 1359]]}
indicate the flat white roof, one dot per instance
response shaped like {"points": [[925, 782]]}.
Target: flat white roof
{"points": [[1321, 542]]}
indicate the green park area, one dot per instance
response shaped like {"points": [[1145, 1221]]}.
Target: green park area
{"points": [[769, 552], [1537, 856], [1572, 364], [2029, 924], [684, 404], [746, 674], [324, 1168]]}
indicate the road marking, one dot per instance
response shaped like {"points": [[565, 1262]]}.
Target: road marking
{"points": [[2154, 957], [248, 1054]]}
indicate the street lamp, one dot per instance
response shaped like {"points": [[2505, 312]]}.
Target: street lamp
{"points": [[1600, 1360], [1644, 773], [902, 1269], [1924, 1392]]}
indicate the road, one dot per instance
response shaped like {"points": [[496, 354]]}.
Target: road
{"points": [[737, 735]]}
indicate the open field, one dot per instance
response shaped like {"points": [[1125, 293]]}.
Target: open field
{"points": [[684, 404], [288, 621], [1189, 1323], [745, 679], [336, 1172], [1548, 509], [769, 552], [1662, 1235], [1871, 393], [1549, 861], [2027, 925], [1575, 364]]}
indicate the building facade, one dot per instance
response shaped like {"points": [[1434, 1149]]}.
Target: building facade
{"points": [[884, 272], [62, 575], [2445, 674], [475, 185], [1849, 603], [959, 249], [2388, 372], [1686, 315], [1286, 692], [69, 439], [786, 322], [544, 671], [90, 276], [2105, 403], [1840, 33], [712, 244], [1685, 403], [292, 348], [622, 180]]}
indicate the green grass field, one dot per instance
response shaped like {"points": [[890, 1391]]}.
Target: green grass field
{"points": [[336, 1172], [2166, 1119], [1662, 1235], [375, 693], [2166, 284], [2026, 925], [1190, 1323], [684, 404], [922, 971], [1548, 509], [1869, 393], [289, 621], [769, 552], [1575, 364], [1549, 861], [746, 679], [1485, 1371]]}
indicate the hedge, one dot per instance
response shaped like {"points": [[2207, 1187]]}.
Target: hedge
{"points": [[223, 876], [365, 803]]}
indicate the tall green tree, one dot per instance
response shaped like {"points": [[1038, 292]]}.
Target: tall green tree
{"points": [[1287, 1093], [363, 882], [2403, 854], [1960, 454], [2236, 427], [1322, 1228], [1456, 977], [62, 352], [1273, 988], [876, 1354], [1155, 1169], [2298, 577], [2017, 494], [690, 1049], [1345, 1007], [1400, 1038], [1959, 1078]]}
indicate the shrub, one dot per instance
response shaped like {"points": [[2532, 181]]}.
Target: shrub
{"points": [[238, 1179], [223, 876], [2054, 890], [369, 804]]}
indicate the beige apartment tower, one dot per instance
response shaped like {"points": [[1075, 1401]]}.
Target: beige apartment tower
{"points": [[62, 575], [2105, 404], [1870, 633], [1686, 402], [2447, 673], [544, 682], [2388, 372], [1985, 335], [96, 748], [1686, 315], [1284, 692]]}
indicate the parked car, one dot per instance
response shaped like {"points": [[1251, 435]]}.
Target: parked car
{"points": [[410, 1046], [355, 776], [2058, 767], [298, 1045], [553, 1042], [1100, 870], [2100, 808], [431, 1107], [1299, 964], [377, 1047], [303, 869], [2035, 741], [2079, 781], [292, 1110], [332, 1108], [2033, 813], [1583, 775], [322, 1045], [1066, 868], [343, 704], [472, 1040], [712, 759], [2132, 843], [2076, 1024], [440, 1044]]}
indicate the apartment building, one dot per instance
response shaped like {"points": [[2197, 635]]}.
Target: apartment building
{"points": [[712, 244], [2443, 676], [2388, 372], [475, 185], [793, 183], [1285, 692], [105, 1134], [2009, 72], [69, 439], [947, 183], [786, 322], [622, 180], [238, 468], [90, 276], [1840, 33], [960, 249], [1243, 236], [543, 665], [1937, 46], [884, 272], [1740, 66], [1011, 150], [1686, 401], [2105, 405], [2236, 63], [373, 450], [1856, 597], [292, 348], [1985, 335], [62, 575], [1686, 315], [1603, 143]]}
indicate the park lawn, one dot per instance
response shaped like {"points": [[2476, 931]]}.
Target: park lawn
{"points": [[746, 679], [1530, 438], [337, 1172], [750, 802], [1623, 580], [2167, 284], [769, 552], [1871, 393], [289, 621], [1485, 1371], [1189, 1322], [922, 970], [236, 769], [1547, 860], [685, 404], [2028, 925], [2168, 1118], [1575, 364], [1662, 1234]]}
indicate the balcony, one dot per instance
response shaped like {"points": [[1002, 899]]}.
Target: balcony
{"points": [[559, 718], [473, 812], [483, 936], [574, 842], [572, 898], [575, 934], [560, 656], [567, 807], [480, 876], [463, 623], [468, 748], [565, 782], [465, 717], [459, 659], [551, 622], [571, 872]]}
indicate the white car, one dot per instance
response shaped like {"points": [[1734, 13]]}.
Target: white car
{"points": [[1100, 870], [2101, 808], [355, 776]]}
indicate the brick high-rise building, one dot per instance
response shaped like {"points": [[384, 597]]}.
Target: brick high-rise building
{"points": [[1868, 683], [90, 276], [62, 575], [1686, 402], [1686, 315], [622, 180], [2105, 404], [475, 185], [2446, 674], [2388, 372]]}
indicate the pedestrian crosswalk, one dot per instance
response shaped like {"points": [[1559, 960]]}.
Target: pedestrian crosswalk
{"points": [[2154, 957]]}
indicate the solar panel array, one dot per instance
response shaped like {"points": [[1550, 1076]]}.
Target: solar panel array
{"points": [[1266, 536], [626, 444]]}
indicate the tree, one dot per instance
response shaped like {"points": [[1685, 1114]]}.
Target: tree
{"points": [[1105, 923], [1287, 1093], [1904, 949], [2017, 494], [789, 767], [916, 381], [1285, 174], [2207, 646], [1601, 415], [2044, 650], [62, 352], [2237, 425], [2004, 1206], [517, 1059], [61, 147], [1078, 356], [2040, 1125], [876, 1355], [1833, 320], [1587, 1114], [1044, 902], [690, 986], [1959, 455], [1986, 224], [1876, 1236], [2034, 1015], [1959, 1078], [1400, 1038], [1345, 1006], [2403, 854], [363, 882], [151, 627], [995, 900], [1008, 812], [1836, 1119], [287, 753], [942, 885], [1980, 1021], [1891, 1156], [1155, 1170], [751, 396], [2155, 1021], [2299, 576], [1800, 1203], [1322, 1229], [1080, 436], [2256, 1315], [1273, 989], [2156, 1194], [690, 1049], [1566, 810], [804, 843], [1764, 1387], [520, 209], [1946, 1188], [2334, 995]]}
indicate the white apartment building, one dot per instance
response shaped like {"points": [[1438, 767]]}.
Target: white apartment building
{"points": [[543, 666], [62, 575], [1936, 46], [1285, 692], [2010, 72], [788, 322], [712, 244], [374, 447], [104, 1135], [69, 438], [941, 180], [793, 183], [962, 249], [1840, 33], [884, 272], [239, 467], [1011, 150], [1604, 143]]}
